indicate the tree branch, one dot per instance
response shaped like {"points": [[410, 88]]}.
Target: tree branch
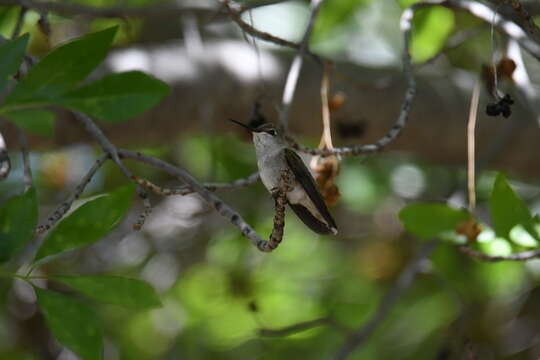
{"points": [[410, 92], [184, 190], [222, 208], [236, 17]]}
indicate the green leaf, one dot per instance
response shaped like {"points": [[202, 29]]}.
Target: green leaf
{"points": [[114, 290], [18, 220], [37, 121], [117, 97], [508, 209], [427, 220], [431, 28], [72, 323], [11, 56], [335, 13], [89, 223], [62, 69]]}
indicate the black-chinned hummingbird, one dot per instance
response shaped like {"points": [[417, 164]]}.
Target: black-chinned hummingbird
{"points": [[275, 156]]}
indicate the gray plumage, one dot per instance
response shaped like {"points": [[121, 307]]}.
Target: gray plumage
{"points": [[273, 156]]}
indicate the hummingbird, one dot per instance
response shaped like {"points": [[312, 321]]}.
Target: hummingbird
{"points": [[275, 156]]}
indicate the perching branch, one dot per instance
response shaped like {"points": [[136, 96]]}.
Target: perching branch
{"points": [[222, 208], [403, 282], [410, 92]]}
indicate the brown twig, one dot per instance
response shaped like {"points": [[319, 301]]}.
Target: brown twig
{"points": [[235, 16], [491, 16], [222, 208], [526, 19], [471, 129], [184, 190], [410, 92], [147, 210]]}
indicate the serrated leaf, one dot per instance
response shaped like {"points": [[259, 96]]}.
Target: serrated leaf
{"points": [[11, 56], [114, 290], [88, 223], [117, 97], [72, 323], [508, 209], [18, 220], [427, 220], [37, 121], [62, 69]]}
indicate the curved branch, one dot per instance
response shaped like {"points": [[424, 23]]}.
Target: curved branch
{"points": [[410, 92], [222, 208]]}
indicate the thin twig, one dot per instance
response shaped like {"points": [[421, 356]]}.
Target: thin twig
{"points": [[477, 9], [222, 208], [236, 17], [184, 190], [526, 19], [522, 256], [296, 66], [103, 141], [471, 129], [326, 139], [410, 92], [66, 205], [404, 280], [147, 210]]}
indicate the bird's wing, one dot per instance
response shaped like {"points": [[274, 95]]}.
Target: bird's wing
{"points": [[303, 176]]}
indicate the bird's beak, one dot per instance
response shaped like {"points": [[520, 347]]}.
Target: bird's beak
{"points": [[242, 125]]}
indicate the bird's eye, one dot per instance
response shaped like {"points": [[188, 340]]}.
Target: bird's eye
{"points": [[272, 132]]}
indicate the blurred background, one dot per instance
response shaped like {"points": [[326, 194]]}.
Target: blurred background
{"points": [[218, 291]]}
